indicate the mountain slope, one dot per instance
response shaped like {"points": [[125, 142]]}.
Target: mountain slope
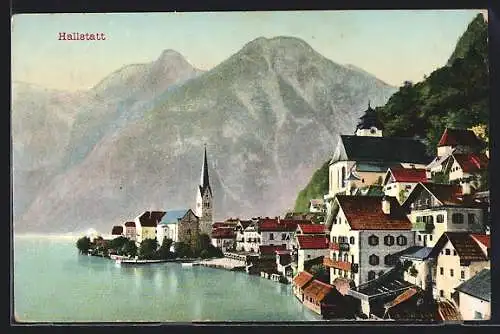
{"points": [[269, 114]]}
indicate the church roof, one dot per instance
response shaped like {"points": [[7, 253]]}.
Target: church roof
{"points": [[173, 216], [455, 137], [384, 149], [370, 119], [204, 180], [151, 218]]}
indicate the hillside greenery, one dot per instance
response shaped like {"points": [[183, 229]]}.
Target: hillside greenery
{"points": [[455, 95]]}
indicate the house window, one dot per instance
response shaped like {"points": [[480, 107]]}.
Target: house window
{"points": [[351, 240], [389, 240], [352, 276], [430, 237], [447, 251], [455, 252], [346, 257], [440, 218], [334, 239], [373, 260], [451, 272], [441, 271], [334, 256], [457, 218], [462, 274], [271, 236], [343, 177], [371, 275], [283, 236], [373, 240], [388, 260], [472, 218], [308, 256], [441, 293], [419, 237], [401, 240], [352, 258]]}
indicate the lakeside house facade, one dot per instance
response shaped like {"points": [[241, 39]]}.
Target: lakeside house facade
{"points": [[146, 224], [223, 237], [130, 231], [365, 233], [178, 225], [309, 247]]}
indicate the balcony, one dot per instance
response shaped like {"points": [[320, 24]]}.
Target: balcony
{"points": [[339, 246], [343, 265], [423, 227]]}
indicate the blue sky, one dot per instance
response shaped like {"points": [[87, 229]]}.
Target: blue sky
{"points": [[394, 45]]}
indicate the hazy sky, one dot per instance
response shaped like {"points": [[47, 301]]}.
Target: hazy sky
{"points": [[393, 45]]}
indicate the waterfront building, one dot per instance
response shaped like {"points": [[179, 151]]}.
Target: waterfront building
{"points": [[321, 298], [204, 199], [300, 282], [437, 208], [146, 224], [240, 234], [284, 263], [278, 231], [223, 238], [117, 231], [459, 256], [130, 231], [310, 247], [474, 296], [178, 225], [399, 181], [365, 233]]}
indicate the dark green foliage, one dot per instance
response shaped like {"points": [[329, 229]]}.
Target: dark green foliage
{"points": [[164, 250], [440, 177], [83, 244], [117, 244], [129, 248], [316, 188], [147, 249], [204, 254], [452, 96], [182, 250]]}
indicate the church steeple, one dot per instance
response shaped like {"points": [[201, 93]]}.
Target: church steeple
{"points": [[204, 202], [369, 124], [204, 180]]}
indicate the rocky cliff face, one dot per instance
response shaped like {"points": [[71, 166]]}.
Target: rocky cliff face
{"points": [[269, 115]]}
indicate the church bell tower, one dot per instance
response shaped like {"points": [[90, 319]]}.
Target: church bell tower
{"points": [[204, 199]]}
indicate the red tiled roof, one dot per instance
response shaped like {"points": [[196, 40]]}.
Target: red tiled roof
{"points": [[449, 194], [222, 224], [455, 137], [302, 279], [223, 233], [467, 247], [267, 249], [343, 265], [483, 239], [312, 242], [117, 230], [318, 290], [472, 162], [130, 224], [312, 228], [365, 213], [409, 174], [151, 218], [283, 225]]}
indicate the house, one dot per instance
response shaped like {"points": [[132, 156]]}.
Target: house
{"points": [[453, 141], [251, 238], [399, 182], [437, 208], [418, 266], [278, 231], [146, 224], [474, 296], [117, 231], [466, 168], [269, 252], [316, 205], [240, 234], [365, 233], [363, 159], [223, 238], [310, 247], [300, 282], [311, 229], [459, 256], [178, 225], [284, 263], [320, 297], [130, 231]]}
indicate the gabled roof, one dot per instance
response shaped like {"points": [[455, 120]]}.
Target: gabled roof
{"points": [[318, 290], [471, 162], [173, 216], [222, 224], [417, 253], [462, 137], [384, 149], [244, 223], [407, 175], [478, 286], [483, 239], [151, 218], [280, 225], [223, 233], [365, 213], [446, 194], [117, 230], [312, 228], [369, 119], [312, 242], [302, 279], [268, 250], [130, 224], [467, 247]]}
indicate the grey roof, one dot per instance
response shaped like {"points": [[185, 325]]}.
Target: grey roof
{"points": [[373, 167], [420, 254], [478, 286], [385, 149], [173, 216]]}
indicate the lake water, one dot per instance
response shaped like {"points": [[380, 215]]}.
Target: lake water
{"points": [[53, 283]]}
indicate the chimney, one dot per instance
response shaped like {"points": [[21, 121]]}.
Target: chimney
{"points": [[466, 188], [386, 205]]}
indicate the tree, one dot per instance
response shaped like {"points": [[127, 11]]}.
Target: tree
{"points": [[83, 244], [182, 249], [204, 254], [129, 248], [164, 251], [118, 243], [147, 248]]}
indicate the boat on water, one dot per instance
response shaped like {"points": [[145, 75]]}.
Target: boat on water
{"points": [[187, 264]]}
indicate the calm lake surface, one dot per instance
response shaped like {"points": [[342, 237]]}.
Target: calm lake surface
{"points": [[53, 283]]}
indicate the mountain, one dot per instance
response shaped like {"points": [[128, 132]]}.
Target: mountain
{"points": [[455, 95], [269, 114]]}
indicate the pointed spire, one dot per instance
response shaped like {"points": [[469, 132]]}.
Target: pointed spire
{"points": [[369, 104], [204, 181]]}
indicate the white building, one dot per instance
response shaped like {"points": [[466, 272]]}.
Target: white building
{"points": [[366, 232], [466, 167], [438, 208], [146, 224], [129, 230], [310, 247], [240, 234], [419, 268], [474, 296], [459, 256], [178, 225], [399, 182]]}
